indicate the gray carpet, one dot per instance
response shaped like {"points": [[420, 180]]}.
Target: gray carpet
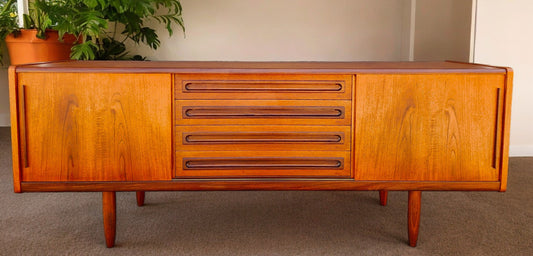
{"points": [[268, 223]]}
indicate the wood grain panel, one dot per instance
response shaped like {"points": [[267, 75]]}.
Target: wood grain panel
{"points": [[262, 138], [262, 86], [283, 112], [428, 127], [97, 127], [248, 164]]}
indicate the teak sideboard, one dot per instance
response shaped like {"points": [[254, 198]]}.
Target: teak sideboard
{"points": [[159, 126]]}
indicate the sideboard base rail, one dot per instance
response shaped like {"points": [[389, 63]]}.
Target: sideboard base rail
{"points": [[219, 185]]}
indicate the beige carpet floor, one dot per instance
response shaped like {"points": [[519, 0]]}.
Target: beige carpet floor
{"points": [[268, 223]]}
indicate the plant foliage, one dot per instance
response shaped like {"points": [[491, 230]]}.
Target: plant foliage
{"points": [[102, 26], [105, 25], [38, 19]]}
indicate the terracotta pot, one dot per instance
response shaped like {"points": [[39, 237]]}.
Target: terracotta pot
{"points": [[27, 48]]}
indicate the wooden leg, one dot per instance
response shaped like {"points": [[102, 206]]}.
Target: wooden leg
{"points": [[413, 216], [140, 198], [110, 217], [383, 197]]}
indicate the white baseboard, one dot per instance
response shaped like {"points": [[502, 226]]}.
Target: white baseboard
{"points": [[4, 120], [521, 150]]}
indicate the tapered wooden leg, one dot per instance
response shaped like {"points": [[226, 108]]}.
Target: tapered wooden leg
{"points": [[383, 197], [413, 216], [140, 198], [110, 217]]}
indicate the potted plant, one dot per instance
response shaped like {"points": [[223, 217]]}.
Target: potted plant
{"points": [[37, 41], [101, 27]]}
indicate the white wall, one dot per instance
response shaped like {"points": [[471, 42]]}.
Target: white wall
{"points": [[442, 30], [333, 30], [504, 36], [4, 90]]}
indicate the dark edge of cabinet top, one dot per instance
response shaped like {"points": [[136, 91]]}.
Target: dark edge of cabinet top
{"points": [[311, 67]]}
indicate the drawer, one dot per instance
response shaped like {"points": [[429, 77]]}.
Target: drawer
{"points": [[262, 138], [262, 86], [262, 164], [283, 112]]}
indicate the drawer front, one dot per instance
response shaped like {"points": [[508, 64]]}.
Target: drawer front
{"points": [[262, 86], [262, 164], [227, 112], [262, 138], [262, 126]]}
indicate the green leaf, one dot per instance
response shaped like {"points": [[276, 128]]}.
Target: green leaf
{"points": [[91, 3], [83, 51]]}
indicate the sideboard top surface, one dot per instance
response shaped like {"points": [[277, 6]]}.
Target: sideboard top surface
{"points": [[258, 67]]}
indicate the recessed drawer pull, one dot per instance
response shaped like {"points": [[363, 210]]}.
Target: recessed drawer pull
{"points": [[215, 138], [263, 112], [266, 86], [22, 125], [262, 163]]}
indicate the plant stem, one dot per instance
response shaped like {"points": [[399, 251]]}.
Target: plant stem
{"points": [[115, 30]]}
